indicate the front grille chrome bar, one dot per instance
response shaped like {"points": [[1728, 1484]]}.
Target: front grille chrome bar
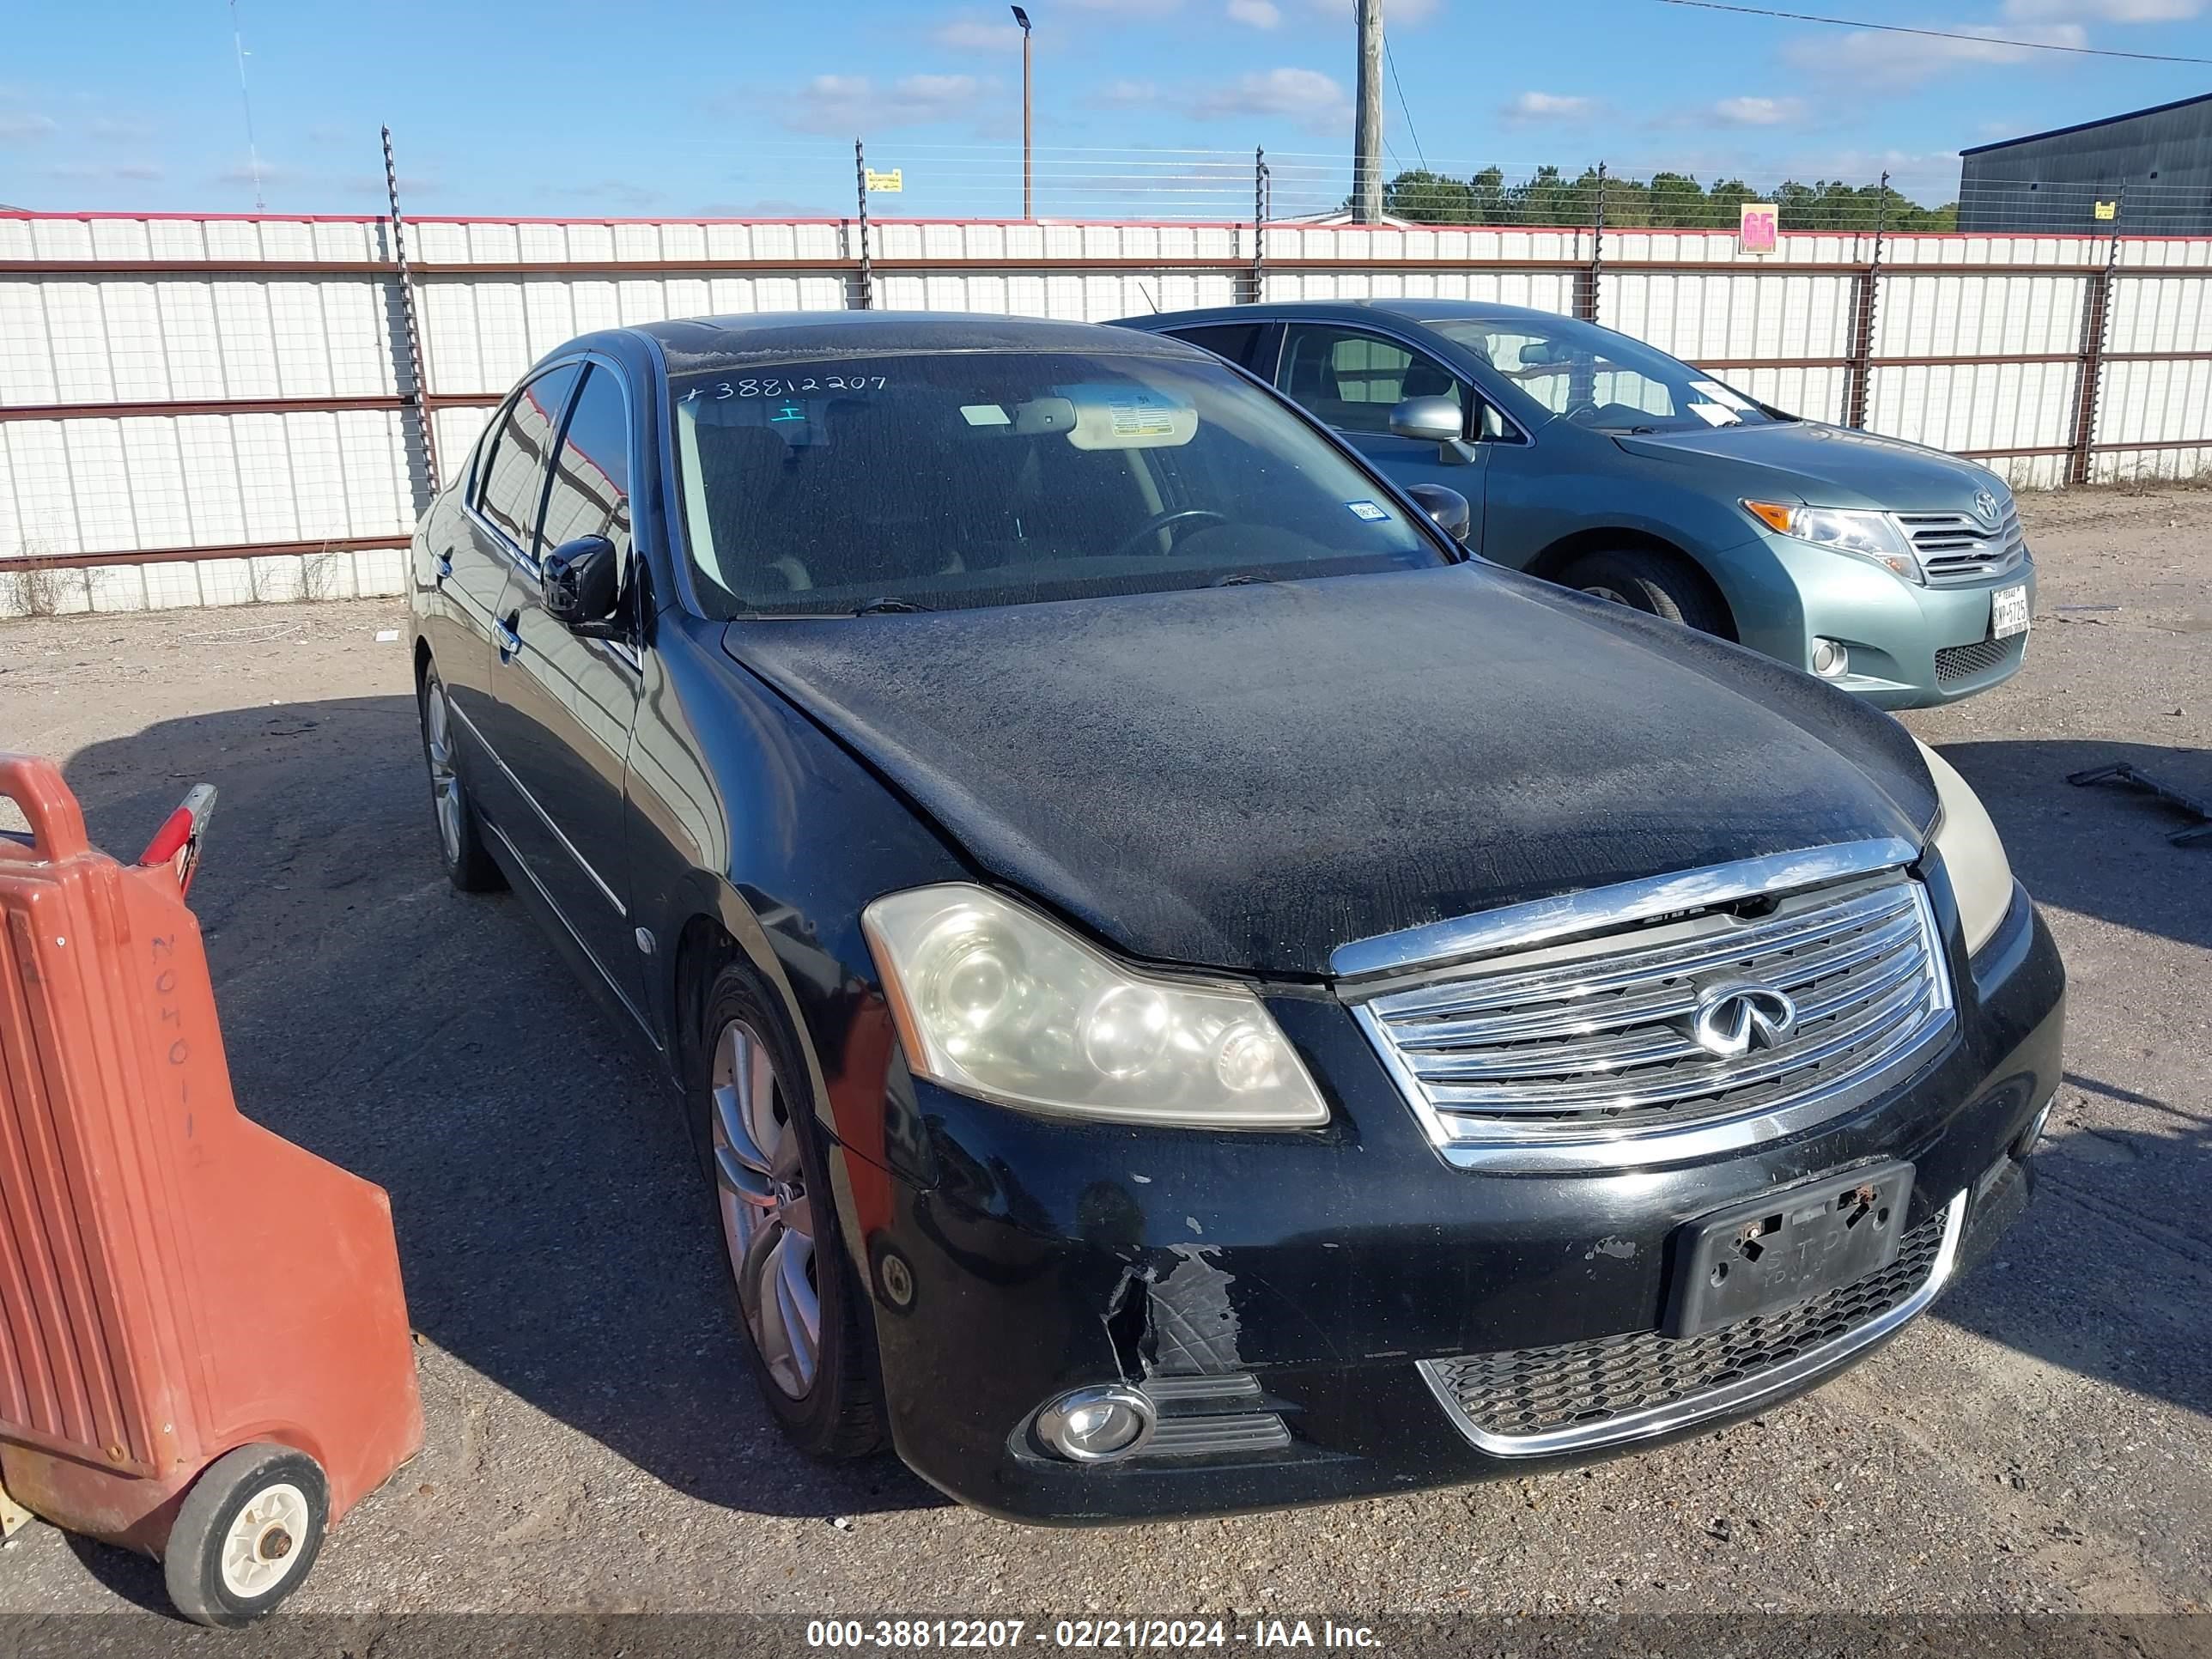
{"points": [[1576, 1046]]}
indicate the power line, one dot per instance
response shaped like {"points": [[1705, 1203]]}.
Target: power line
{"points": [[1388, 58], [1937, 34], [246, 98]]}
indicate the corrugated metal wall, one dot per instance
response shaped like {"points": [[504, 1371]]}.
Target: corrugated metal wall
{"points": [[223, 405]]}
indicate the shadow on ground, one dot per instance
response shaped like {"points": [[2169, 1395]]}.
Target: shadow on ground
{"points": [[2111, 1274], [554, 1228]]}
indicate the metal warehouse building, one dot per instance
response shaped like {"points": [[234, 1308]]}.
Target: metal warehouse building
{"points": [[2149, 172]]}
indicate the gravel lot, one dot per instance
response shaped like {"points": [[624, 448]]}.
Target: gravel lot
{"points": [[2041, 1442]]}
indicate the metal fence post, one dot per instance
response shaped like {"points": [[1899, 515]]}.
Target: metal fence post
{"points": [[415, 367], [1587, 302], [1259, 225], [867, 289], [2089, 377], [1858, 377]]}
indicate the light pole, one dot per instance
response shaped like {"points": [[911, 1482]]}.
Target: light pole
{"points": [[1028, 202]]}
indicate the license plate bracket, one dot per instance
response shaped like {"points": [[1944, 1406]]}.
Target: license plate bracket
{"points": [[1785, 1247], [2008, 611]]}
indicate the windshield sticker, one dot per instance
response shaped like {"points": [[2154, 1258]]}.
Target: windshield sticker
{"points": [[1121, 415], [1714, 414], [985, 415], [1720, 394], [1368, 511], [781, 386]]}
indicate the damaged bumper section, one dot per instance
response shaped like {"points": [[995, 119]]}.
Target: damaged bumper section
{"points": [[1095, 1323]]}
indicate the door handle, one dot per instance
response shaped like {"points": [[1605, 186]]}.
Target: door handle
{"points": [[510, 642], [445, 565]]}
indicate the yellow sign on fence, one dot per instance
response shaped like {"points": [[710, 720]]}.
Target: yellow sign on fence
{"points": [[889, 184], [2108, 209]]}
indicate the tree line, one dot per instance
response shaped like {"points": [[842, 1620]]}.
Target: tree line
{"points": [[1666, 200]]}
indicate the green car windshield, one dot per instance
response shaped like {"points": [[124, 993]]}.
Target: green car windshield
{"points": [[1596, 378], [949, 480]]}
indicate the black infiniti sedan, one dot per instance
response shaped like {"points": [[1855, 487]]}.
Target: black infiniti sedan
{"points": [[1192, 992]]}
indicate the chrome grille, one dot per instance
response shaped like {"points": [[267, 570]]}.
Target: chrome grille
{"points": [[1955, 547], [1590, 1044], [1529, 1401]]}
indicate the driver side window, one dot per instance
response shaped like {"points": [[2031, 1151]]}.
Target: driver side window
{"points": [[1352, 380]]}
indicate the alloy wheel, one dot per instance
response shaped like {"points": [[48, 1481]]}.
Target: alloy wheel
{"points": [[767, 1221], [444, 779]]}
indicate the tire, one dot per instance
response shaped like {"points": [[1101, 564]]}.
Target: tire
{"points": [[247, 1535], [753, 1115], [461, 850], [1657, 584]]}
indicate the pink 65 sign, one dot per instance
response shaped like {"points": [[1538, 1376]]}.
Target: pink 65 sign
{"points": [[1758, 227]]}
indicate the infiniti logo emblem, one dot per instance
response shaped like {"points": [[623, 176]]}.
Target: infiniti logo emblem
{"points": [[1985, 507], [1734, 1019]]}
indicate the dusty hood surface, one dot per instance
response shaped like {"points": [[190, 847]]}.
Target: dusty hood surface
{"points": [[1246, 777], [1824, 465]]}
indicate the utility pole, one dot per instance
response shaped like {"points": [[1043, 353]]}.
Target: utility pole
{"points": [[1367, 118], [1028, 190]]}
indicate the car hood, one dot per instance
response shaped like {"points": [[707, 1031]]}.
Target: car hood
{"points": [[1246, 777], [1825, 465]]}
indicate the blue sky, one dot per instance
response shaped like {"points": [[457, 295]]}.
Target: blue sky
{"points": [[668, 107]]}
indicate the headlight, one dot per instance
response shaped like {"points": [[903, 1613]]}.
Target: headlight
{"points": [[1870, 535], [994, 999], [1981, 879]]}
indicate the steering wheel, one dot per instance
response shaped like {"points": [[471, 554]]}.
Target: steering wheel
{"points": [[1160, 521]]}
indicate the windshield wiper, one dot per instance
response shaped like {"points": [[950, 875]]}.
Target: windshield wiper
{"points": [[890, 603], [1239, 579]]}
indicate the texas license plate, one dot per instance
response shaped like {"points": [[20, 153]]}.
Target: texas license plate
{"points": [[1787, 1247], [2007, 612]]}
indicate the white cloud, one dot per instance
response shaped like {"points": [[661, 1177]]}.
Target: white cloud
{"points": [[999, 34], [1260, 14], [1549, 106], [2104, 11], [1891, 61], [104, 173], [22, 126], [1758, 112], [1397, 14], [1129, 92], [1305, 96], [854, 103]]}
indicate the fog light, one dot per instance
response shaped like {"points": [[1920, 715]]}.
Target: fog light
{"points": [[1096, 1425], [1832, 660], [2033, 1133]]}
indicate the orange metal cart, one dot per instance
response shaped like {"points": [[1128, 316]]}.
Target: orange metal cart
{"points": [[203, 1344]]}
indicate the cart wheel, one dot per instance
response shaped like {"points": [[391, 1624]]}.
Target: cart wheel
{"points": [[249, 1530]]}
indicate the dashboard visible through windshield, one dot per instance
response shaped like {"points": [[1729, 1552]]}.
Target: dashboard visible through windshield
{"points": [[1596, 378], [949, 480]]}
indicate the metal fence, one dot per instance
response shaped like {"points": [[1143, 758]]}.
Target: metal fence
{"points": [[217, 410]]}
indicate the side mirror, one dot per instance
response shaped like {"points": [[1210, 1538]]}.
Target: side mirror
{"points": [[1447, 507], [579, 580], [1438, 421]]}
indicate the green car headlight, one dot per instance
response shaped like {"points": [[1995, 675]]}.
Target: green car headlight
{"points": [[1981, 877], [1845, 530]]}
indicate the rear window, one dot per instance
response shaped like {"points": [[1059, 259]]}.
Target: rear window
{"points": [[948, 480]]}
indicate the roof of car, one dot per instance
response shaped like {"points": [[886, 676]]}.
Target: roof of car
{"points": [[1410, 308], [707, 342]]}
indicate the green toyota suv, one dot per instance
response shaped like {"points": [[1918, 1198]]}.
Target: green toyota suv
{"points": [[1890, 570]]}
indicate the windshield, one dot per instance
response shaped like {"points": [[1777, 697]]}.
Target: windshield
{"points": [[1596, 378], [947, 480]]}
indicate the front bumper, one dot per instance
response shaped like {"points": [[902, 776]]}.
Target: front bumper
{"points": [[1034, 1257], [1911, 646]]}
